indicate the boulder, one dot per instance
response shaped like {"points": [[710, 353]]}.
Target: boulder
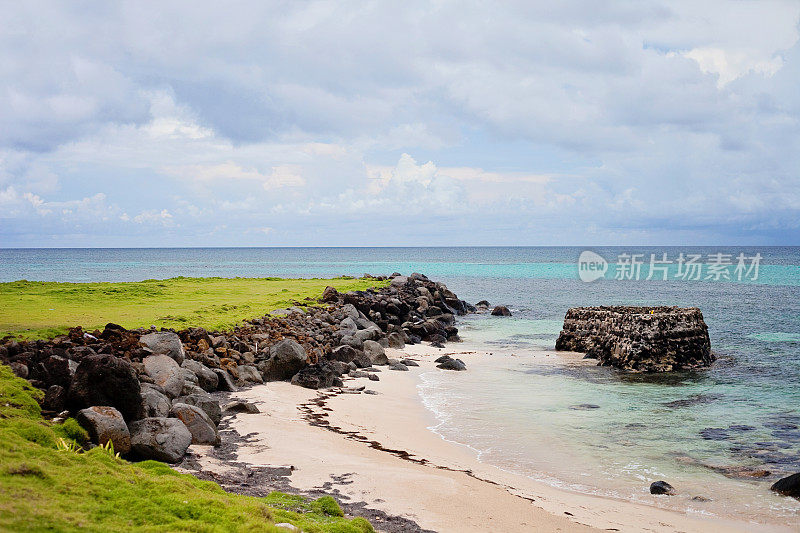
{"points": [[348, 326], [320, 376], [448, 363], [399, 366], [104, 423], [344, 353], [409, 362], [162, 439], [239, 406], [788, 486], [165, 373], [204, 401], [106, 380], [249, 374], [225, 383], [164, 342], [662, 487], [375, 353], [501, 310], [396, 341], [330, 294], [55, 398], [206, 378], [154, 402], [202, 428], [287, 357]]}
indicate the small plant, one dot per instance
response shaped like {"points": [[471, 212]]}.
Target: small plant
{"points": [[64, 445], [327, 505], [108, 447]]}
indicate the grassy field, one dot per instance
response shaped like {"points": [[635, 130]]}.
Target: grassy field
{"points": [[46, 486], [32, 309]]}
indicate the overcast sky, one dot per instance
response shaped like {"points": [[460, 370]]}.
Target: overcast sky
{"points": [[399, 123]]}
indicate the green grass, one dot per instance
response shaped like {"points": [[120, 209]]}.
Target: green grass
{"points": [[33, 309], [44, 488]]}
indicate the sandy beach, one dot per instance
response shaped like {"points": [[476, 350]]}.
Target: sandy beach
{"points": [[378, 449]]}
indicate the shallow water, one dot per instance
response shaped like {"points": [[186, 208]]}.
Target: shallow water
{"points": [[743, 412]]}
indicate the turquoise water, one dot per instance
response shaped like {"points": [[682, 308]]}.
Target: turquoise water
{"points": [[743, 412]]}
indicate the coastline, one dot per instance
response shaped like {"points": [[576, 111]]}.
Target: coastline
{"points": [[379, 450]]}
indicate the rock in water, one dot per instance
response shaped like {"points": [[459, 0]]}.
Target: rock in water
{"points": [[165, 372], [448, 363], [105, 424], [162, 439], [106, 380], [501, 310], [662, 487], [788, 486], [646, 339], [165, 342], [197, 422]]}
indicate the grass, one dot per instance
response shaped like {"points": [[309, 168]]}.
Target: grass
{"points": [[44, 488], [35, 309]]}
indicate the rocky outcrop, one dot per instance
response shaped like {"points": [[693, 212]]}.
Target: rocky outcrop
{"points": [[646, 339], [164, 342], [202, 428]]}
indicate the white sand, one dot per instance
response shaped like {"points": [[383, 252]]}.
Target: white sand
{"points": [[441, 499]]}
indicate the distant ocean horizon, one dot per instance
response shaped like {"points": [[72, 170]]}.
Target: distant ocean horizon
{"points": [[743, 412]]}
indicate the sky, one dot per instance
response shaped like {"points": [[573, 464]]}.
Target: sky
{"points": [[399, 123]]}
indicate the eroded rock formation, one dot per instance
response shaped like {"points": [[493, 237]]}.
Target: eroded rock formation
{"points": [[645, 339]]}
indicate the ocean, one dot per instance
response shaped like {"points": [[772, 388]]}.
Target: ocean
{"points": [[521, 412]]}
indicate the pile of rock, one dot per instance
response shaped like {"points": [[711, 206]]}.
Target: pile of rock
{"points": [[149, 391], [647, 339]]}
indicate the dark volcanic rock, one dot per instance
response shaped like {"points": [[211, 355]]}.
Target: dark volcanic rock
{"points": [[106, 380], [501, 310], [319, 376], [662, 487], [164, 342], [648, 339], [202, 428], [448, 363], [286, 358], [788, 486], [105, 424], [162, 439]]}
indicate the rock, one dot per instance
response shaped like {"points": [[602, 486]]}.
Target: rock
{"points": [[662, 487], [330, 294], [375, 353], [165, 372], [202, 428], [344, 353], [249, 374], [287, 357], [448, 363], [106, 380], [239, 406], [358, 374], [483, 304], [287, 526], [320, 376], [206, 378], [225, 383], [348, 326], [645, 339], [20, 370], [373, 377], [154, 402], [204, 401], [398, 366], [55, 398], [164, 342], [409, 362], [399, 281], [700, 499], [162, 439], [788, 486], [584, 407], [501, 310], [57, 371], [104, 423], [396, 340]]}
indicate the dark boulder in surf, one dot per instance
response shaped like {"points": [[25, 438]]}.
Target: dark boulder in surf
{"points": [[662, 487], [788, 486]]}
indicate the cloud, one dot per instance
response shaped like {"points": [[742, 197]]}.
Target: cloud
{"points": [[526, 122]]}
